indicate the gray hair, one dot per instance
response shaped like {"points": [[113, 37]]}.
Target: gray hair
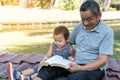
{"points": [[91, 5]]}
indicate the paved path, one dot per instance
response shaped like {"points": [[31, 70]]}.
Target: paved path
{"points": [[11, 14]]}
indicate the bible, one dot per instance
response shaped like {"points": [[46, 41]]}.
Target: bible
{"points": [[56, 60]]}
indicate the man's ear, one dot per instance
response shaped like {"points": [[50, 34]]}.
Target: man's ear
{"points": [[99, 15]]}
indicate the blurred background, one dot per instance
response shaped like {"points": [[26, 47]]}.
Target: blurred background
{"points": [[26, 26], [60, 4]]}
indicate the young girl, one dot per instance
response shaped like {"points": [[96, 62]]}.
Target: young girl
{"points": [[60, 46]]}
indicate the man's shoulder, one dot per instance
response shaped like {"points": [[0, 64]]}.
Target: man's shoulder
{"points": [[106, 27], [78, 26]]}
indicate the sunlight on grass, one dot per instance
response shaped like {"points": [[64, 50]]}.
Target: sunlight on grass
{"points": [[23, 41], [22, 37], [38, 40], [27, 40], [28, 48]]}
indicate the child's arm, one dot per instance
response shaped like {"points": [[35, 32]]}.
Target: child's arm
{"points": [[48, 55]]}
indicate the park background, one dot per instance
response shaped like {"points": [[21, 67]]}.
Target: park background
{"points": [[26, 26]]}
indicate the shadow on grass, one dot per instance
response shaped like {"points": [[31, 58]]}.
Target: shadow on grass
{"points": [[117, 34], [3, 79], [116, 55], [39, 48], [116, 51]]}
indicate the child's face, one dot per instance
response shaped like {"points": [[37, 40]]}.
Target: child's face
{"points": [[60, 41]]}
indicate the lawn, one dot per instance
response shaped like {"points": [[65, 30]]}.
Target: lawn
{"points": [[37, 40], [116, 44], [26, 40]]}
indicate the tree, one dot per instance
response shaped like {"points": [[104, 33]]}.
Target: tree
{"points": [[106, 5], [55, 3]]}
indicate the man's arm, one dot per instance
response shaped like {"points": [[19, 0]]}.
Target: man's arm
{"points": [[102, 59]]}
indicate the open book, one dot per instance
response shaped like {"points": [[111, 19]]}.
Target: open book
{"points": [[56, 60]]}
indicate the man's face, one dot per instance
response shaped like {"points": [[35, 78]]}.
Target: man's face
{"points": [[89, 20]]}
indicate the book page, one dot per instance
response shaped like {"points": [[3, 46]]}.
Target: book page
{"points": [[64, 63], [59, 61], [54, 59]]}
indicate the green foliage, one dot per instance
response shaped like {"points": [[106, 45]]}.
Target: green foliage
{"points": [[9, 2], [115, 1], [69, 4], [44, 4], [63, 4], [111, 9]]}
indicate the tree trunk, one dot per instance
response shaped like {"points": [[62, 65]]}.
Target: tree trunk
{"points": [[55, 3], [106, 5]]}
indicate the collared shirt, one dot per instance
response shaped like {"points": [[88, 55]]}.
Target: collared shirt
{"points": [[91, 43]]}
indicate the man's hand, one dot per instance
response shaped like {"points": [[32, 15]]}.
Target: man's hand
{"points": [[74, 67]]}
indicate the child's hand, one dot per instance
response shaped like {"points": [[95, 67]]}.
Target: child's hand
{"points": [[44, 59], [71, 58]]}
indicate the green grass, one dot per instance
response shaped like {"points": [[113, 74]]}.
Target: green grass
{"points": [[27, 40], [38, 40], [116, 44]]}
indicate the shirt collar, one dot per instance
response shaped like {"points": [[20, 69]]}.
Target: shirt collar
{"points": [[97, 28]]}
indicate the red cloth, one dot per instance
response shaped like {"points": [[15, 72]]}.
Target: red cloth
{"points": [[19, 61]]}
